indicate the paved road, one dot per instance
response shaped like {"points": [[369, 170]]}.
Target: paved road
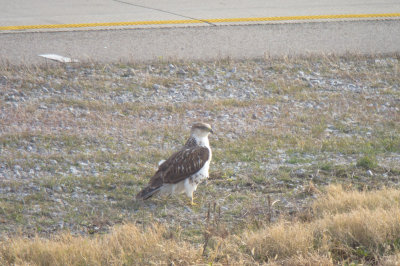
{"points": [[186, 41], [24, 12]]}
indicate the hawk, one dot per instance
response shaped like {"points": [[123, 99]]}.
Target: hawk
{"points": [[184, 170]]}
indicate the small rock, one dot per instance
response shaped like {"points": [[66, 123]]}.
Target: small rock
{"points": [[309, 105], [120, 100], [73, 170], [10, 98], [130, 72], [369, 173], [300, 172], [156, 87], [83, 164], [188, 209], [34, 187], [61, 224], [181, 72]]}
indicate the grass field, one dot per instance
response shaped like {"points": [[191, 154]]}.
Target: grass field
{"points": [[306, 162]]}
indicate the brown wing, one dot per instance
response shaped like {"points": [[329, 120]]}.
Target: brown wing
{"points": [[179, 166], [183, 164]]}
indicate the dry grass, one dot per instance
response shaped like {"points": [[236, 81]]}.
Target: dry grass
{"points": [[337, 200], [282, 240], [349, 227], [124, 245]]}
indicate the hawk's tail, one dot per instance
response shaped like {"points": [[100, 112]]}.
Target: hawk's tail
{"points": [[147, 192]]}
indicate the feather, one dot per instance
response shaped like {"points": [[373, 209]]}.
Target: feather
{"points": [[147, 192], [154, 186], [183, 164]]}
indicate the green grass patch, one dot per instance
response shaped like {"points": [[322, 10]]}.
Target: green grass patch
{"points": [[367, 162]]}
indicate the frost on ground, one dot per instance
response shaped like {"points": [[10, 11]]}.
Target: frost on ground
{"points": [[77, 142]]}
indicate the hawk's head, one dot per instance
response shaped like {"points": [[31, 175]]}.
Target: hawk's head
{"points": [[201, 129]]}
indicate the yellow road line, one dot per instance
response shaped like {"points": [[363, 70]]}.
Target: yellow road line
{"points": [[305, 17], [187, 21]]}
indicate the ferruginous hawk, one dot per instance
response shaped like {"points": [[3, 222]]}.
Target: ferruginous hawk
{"points": [[185, 169]]}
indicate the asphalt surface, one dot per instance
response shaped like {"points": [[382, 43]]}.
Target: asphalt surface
{"points": [[196, 39], [23, 12]]}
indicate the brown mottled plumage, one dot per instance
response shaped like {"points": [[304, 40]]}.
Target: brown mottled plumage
{"points": [[185, 169]]}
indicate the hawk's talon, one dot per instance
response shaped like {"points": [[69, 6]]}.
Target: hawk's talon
{"points": [[193, 203]]}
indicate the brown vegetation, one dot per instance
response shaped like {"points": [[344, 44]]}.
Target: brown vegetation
{"points": [[347, 226]]}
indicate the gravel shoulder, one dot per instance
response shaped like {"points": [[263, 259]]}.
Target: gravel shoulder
{"points": [[78, 141]]}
